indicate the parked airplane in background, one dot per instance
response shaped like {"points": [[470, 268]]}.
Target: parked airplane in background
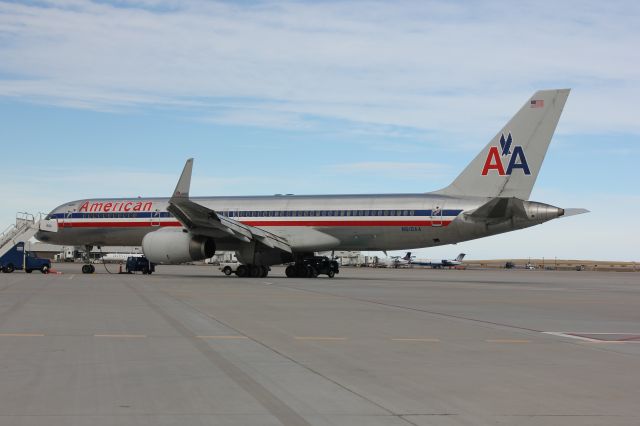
{"points": [[395, 261], [489, 197], [119, 257], [447, 263]]}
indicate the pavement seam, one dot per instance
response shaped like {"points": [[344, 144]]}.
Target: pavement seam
{"points": [[298, 363], [276, 407]]}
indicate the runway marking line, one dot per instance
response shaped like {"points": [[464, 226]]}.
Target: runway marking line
{"points": [[415, 339], [324, 338], [507, 341], [21, 335], [223, 337], [138, 336], [582, 336]]}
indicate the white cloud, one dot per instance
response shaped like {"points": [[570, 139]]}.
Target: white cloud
{"points": [[424, 65]]}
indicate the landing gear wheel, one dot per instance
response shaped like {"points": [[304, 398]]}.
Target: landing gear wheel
{"points": [[88, 269], [290, 272], [242, 271], [264, 271], [301, 271], [255, 271], [227, 270]]}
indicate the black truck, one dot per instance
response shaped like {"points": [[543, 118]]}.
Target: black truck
{"points": [[312, 267]]}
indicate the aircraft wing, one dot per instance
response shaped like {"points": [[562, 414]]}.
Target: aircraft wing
{"points": [[202, 220]]}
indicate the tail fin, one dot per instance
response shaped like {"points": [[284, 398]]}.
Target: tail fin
{"points": [[460, 257], [407, 256], [508, 166]]}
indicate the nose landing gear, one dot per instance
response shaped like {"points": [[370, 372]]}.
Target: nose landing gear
{"points": [[87, 268]]}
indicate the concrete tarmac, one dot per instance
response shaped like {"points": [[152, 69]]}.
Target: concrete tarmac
{"points": [[189, 346]]}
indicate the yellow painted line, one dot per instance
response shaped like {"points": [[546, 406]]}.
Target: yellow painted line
{"points": [[507, 341], [319, 338], [120, 335], [223, 337], [415, 340], [21, 335]]}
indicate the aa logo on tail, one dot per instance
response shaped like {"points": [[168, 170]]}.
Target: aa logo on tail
{"points": [[516, 158]]}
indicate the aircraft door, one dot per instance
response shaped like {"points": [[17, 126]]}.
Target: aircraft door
{"points": [[155, 218], [66, 220], [437, 211]]}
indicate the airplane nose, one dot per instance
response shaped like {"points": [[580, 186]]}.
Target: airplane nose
{"points": [[43, 236]]}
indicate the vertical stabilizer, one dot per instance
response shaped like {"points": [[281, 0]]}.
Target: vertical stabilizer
{"points": [[509, 165]]}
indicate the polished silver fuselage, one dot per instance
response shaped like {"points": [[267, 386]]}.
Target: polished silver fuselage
{"points": [[308, 223]]}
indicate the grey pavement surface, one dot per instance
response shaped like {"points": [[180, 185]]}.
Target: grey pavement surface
{"points": [[188, 346]]}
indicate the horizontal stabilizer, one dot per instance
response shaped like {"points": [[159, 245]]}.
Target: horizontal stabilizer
{"points": [[574, 212], [498, 208]]}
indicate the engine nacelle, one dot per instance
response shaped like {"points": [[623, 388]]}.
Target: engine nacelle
{"points": [[174, 245]]}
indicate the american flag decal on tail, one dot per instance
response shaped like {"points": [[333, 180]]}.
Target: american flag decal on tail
{"points": [[539, 103]]}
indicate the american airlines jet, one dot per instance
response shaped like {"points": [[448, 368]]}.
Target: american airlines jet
{"points": [[489, 197]]}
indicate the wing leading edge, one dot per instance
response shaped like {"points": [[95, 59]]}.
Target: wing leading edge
{"points": [[201, 220]]}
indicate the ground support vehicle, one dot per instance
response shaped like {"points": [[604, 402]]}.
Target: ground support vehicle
{"points": [[311, 267], [140, 264], [18, 258]]}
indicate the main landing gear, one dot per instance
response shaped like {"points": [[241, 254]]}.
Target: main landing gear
{"points": [[253, 271], [87, 268]]}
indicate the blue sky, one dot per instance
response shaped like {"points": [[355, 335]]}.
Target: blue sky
{"points": [[109, 98]]}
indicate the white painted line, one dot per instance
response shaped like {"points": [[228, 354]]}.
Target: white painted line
{"points": [[507, 341], [571, 336], [415, 339], [628, 334]]}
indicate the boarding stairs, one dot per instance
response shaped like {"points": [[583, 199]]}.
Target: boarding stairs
{"points": [[25, 227]]}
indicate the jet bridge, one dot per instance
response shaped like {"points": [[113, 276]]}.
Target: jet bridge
{"points": [[25, 227]]}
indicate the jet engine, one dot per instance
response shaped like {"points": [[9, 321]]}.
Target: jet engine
{"points": [[176, 245]]}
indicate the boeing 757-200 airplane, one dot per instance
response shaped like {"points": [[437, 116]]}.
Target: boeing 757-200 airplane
{"points": [[489, 197]]}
